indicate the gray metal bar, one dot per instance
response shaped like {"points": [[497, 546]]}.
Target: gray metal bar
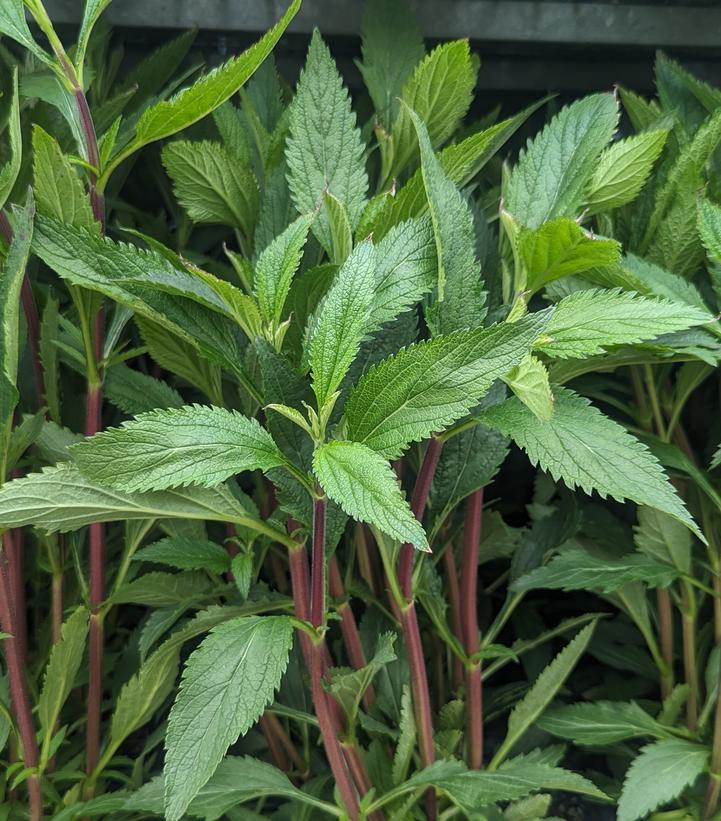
{"points": [[500, 21]]}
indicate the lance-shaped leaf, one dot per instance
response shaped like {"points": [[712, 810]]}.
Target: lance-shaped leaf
{"points": [[588, 450], [147, 283], [439, 91], [186, 554], [709, 227], [211, 184], [552, 173], [191, 104], [576, 569], [136, 392], [11, 280], [560, 248], [10, 170], [62, 668], [587, 322], [227, 683], [529, 381], [601, 722], [91, 13], [277, 265], [660, 774], [338, 326], [463, 306], [15, 26], [542, 692], [194, 445], [324, 150], [364, 485], [428, 386], [62, 499], [623, 169], [664, 539]]}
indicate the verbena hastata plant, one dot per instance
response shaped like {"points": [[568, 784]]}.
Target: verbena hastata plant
{"points": [[325, 350]]}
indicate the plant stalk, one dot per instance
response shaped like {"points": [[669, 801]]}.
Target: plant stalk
{"points": [[469, 625], [713, 789], [18, 690], [690, 666], [454, 598], [409, 622]]}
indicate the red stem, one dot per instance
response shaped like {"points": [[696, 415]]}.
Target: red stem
{"points": [[454, 598], [18, 691], [348, 625], [469, 628], [317, 565], [409, 622]]}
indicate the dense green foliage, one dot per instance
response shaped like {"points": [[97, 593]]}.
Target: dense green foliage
{"points": [[358, 467]]}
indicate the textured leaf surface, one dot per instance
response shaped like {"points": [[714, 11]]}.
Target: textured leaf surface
{"points": [[623, 169], [227, 683], [529, 382], [277, 265], [576, 569], [588, 450], [341, 321], [324, 150], [364, 485], [10, 170], [186, 554], [463, 305], [429, 385], [588, 321], [194, 445], [136, 392], [211, 184], [553, 171], [601, 722], [663, 539], [62, 499], [658, 775], [560, 248]]}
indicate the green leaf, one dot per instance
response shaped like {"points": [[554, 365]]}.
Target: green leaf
{"points": [[186, 554], [341, 234], [14, 25], [587, 322], [277, 265], [164, 589], [135, 392], [623, 170], [588, 450], [406, 269], [428, 386], [659, 775], [460, 162], [348, 686], [709, 227], [552, 173], [148, 284], [191, 104], [464, 304], [391, 47], [468, 462], [61, 671], [211, 185], [62, 499], [406, 738], [340, 323], [471, 789], [194, 445], [663, 539], [544, 688], [242, 570], [227, 683], [11, 280], [324, 150], [439, 91], [364, 485], [560, 248], [575, 569], [529, 382], [601, 723], [92, 11], [11, 169]]}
